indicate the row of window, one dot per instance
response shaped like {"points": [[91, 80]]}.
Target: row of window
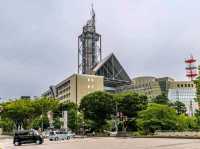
{"points": [[65, 96], [64, 90], [64, 85], [90, 79], [185, 85]]}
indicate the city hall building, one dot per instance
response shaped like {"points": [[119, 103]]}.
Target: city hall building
{"points": [[94, 72], [107, 74]]}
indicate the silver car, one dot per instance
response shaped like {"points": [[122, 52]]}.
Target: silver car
{"points": [[56, 135], [68, 134]]}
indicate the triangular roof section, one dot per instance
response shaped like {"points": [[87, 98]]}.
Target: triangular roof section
{"points": [[113, 72]]}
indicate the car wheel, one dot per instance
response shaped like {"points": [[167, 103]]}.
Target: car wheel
{"points": [[17, 143], [38, 142]]}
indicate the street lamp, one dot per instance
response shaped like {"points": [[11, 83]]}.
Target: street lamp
{"points": [[42, 118]]}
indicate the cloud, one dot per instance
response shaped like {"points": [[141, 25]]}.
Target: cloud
{"points": [[38, 40]]}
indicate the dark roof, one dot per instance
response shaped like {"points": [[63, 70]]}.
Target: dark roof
{"points": [[113, 72]]}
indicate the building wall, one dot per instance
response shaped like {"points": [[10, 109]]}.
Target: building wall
{"points": [[142, 85], [164, 84], [86, 84], [76, 87], [185, 92]]}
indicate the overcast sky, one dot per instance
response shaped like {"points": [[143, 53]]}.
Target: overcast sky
{"points": [[38, 39]]}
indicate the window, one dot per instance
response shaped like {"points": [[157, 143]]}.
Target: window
{"points": [[185, 85], [88, 86], [88, 79]]}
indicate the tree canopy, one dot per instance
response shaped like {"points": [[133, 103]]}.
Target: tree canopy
{"points": [[23, 111], [179, 107], [197, 82], [157, 117], [161, 99], [130, 103], [98, 106]]}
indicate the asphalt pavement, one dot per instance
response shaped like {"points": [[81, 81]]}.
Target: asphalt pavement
{"points": [[109, 143]]}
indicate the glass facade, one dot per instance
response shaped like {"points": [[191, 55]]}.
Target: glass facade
{"points": [[185, 95]]}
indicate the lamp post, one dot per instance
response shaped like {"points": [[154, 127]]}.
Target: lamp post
{"points": [[83, 124], [42, 118], [116, 117]]}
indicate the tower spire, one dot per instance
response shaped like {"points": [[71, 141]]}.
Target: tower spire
{"points": [[92, 12]]}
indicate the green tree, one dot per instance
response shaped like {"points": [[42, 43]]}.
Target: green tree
{"points": [[197, 83], [157, 117], [186, 123], [43, 105], [57, 123], [161, 99], [20, 112], [98, 107], [7, 125], [64, 106], [23, 111], [179, 107], [71, 108], [72, 119], [131, 103], [197, 115], [40, 122]]}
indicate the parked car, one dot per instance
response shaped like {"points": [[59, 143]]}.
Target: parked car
{"points": [[60, 135], [45, 134], [56, 135], [68, 134], [28, 136]]}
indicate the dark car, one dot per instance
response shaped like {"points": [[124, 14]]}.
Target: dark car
{"points": [[24, 137]]}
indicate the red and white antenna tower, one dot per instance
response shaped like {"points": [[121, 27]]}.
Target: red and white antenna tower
{"points": [[191, 69]]}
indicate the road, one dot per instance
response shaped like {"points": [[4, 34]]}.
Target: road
{"points": [[110, 143]]}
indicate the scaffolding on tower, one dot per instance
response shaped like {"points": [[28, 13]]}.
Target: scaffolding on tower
{"points": [[89, 47], [191, 68]]}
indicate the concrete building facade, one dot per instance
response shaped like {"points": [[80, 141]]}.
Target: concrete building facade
{"points": [[75, 87], [146, 85], [183, 91]]}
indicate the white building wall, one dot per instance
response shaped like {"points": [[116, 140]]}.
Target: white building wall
{"points": [[186, 96]]}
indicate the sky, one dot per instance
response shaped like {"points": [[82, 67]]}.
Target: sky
{"points": [[38, 39]]}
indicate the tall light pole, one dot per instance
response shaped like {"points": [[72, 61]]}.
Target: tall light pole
{"points": [[116, 110], [42, 117]]}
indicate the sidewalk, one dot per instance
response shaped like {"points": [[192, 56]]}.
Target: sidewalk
{"points": [[5, 137]]}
